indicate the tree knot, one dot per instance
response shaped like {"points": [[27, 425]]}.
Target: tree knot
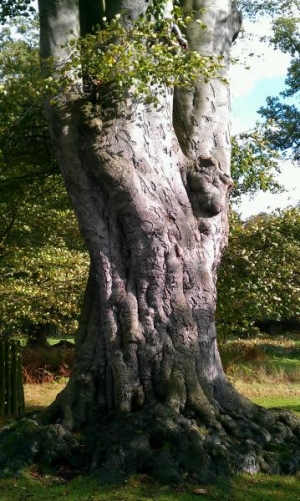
{"points": [[208, 187]]}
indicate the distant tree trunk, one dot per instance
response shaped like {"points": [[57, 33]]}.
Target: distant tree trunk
{"points": [[150, 189], [37, 336]]}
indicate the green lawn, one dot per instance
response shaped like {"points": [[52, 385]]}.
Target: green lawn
{"points": [[291, 403], [243, 488]]}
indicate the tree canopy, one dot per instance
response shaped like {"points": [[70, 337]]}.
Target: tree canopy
{"points": [[259, 278], [282, 113], [41, 253], [12, 8], [254, 164]]}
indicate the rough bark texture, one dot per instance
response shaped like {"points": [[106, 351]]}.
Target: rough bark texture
{"points": [[150, 189]]}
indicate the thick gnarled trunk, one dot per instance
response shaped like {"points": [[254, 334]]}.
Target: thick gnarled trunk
{"points": [[150, 189], [150, 315]]}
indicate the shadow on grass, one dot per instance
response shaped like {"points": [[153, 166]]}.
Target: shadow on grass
{"points": [[266, 488], [294, 408], [281, 351], [34, 408]]}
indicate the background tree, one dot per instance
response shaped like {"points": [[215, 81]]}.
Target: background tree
{"points": [[43, 264], [283, 117], [258, 8], [258, 275], [258, 278], [11, 8], [254, 164]]}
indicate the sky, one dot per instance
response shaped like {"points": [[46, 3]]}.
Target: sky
{"points": [[249, 88]]}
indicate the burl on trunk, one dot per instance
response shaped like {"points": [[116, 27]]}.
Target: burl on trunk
{"points": [[150, 188]]}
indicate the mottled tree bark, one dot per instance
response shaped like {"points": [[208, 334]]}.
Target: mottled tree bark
{"points": [[150, 188]]}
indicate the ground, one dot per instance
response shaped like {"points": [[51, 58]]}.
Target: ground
{"points": [[269, 375]]}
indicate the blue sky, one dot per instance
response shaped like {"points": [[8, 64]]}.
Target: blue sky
{"points": [[244, 108], [249, 88]]}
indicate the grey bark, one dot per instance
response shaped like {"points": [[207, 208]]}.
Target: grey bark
{"points": [[150, 188]]}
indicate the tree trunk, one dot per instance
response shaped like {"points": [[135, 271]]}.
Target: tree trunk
{"points": [[150, 189]]}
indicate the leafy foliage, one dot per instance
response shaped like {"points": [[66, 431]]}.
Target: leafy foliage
{"points": [[259, 276], [150, 54], [256, 8], [12, 8], [43, 264], [283, 126], [286, 35], [283, 117], [25, 150], [253, 164]]}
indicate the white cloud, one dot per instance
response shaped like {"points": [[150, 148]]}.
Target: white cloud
{"points": [[268, 202], [239, 125], [266, 62]]}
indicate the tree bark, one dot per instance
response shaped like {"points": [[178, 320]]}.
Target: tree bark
{"points": [[150, 188]]}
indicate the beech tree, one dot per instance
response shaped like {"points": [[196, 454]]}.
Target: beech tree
{"points": [[149, 182], [149, 179]]}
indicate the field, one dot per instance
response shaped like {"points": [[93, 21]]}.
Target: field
{"points": [[266, 370]]}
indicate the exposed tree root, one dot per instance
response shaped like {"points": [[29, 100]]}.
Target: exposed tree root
{"points": [[167, 445]]}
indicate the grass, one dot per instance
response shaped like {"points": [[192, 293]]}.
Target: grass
{"points": [[263, 359], [55, 340], [39, 396], [265, 369], [244, 488], [286, 396], [290, 403]]}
